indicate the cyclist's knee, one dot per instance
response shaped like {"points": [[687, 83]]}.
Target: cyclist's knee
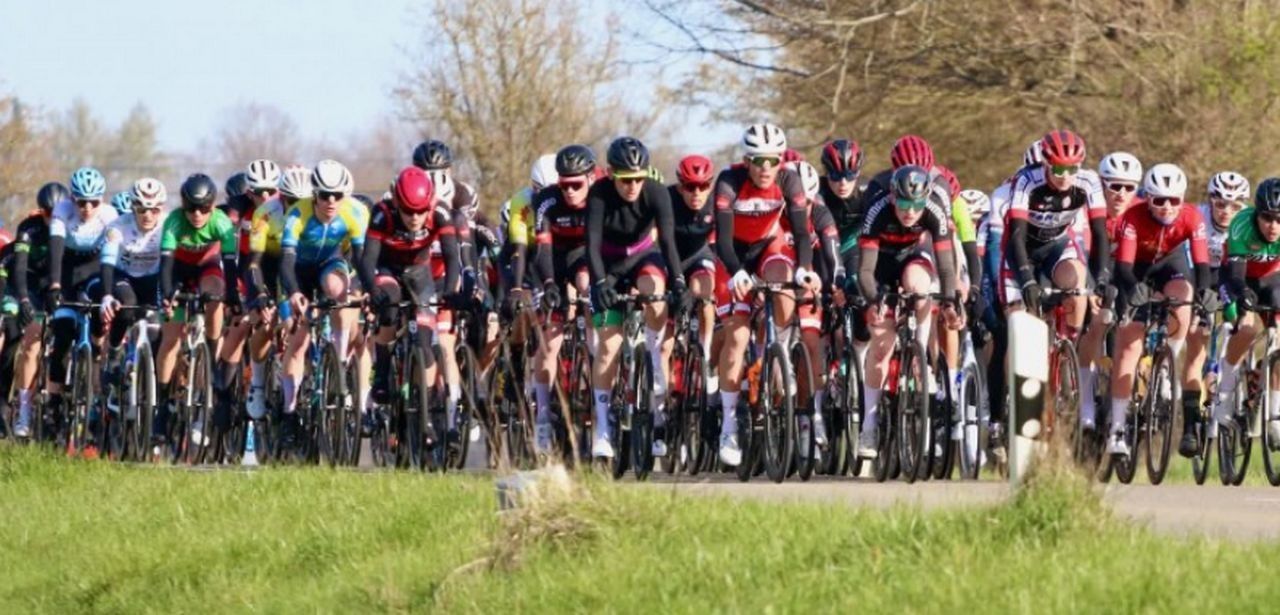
{"points": [[1069, 274]]}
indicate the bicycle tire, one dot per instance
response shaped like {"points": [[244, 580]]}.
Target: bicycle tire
{"points": [[1097, 451], [112, 429], [942, 425], [620, 417], [975, 430], [1160, 410], [144, 394], [642, 419], [467, 411], [81, 401], [853, 408], [777, 412], [1270, 457], [802, 368], [1234, 443], [695, 411], [913, 428], [354, 415], [201, 407], [328, 410]]}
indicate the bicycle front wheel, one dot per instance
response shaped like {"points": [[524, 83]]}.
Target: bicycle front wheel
{"points": [[806, 442], [1159, 410], [80, 435], [641, 413], [974, 424], [913, 413], [331, 411], [1270, 455], [777, 410], [1234, 443]]}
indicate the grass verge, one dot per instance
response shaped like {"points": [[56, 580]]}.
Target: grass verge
{"points": [[100, 537]]}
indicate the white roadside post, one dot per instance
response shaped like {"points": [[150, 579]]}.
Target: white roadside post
{"points": [[1028, 377]]}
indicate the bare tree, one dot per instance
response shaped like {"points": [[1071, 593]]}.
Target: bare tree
{"points": [[25, 159], [249, 131], [135, 151], [504, 81]]}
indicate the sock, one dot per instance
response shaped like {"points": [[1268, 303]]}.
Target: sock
{"points": [[653, 339], [451, 406], [870, 401], [713, 383], [860, 348], [542, 395], [602, 412], [818, 397], [1273, 402], [706, 346], [259, 376], [922, 332], [1227, 384], [1190, 409], [1176, 346], [24, 400], [729, 406], [1119, 408], [289, 388], [1088, 406]]}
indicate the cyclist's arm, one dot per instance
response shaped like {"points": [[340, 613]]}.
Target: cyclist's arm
{"points": [[973, 261], [942, 247], [724, 197], [542, 263], [1200, 256], [867, 269], [288, 275], [518, 263], [449, 245], [798, 213], [828, 239], [595, 236], [166, 274], [1126, 251], [57, 245], [1100, 257], [660, 199], [21, 258], [367, 266]]}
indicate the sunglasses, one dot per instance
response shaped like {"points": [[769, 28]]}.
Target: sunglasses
{"points": [[1269, 218], [629, 180], [1225, 204], [92, 203], [414, 214], [1062, 170], [1114, 187], [695, 187], [572, 185], [761, 161], [844, 176], [196, 209], [264, 192], [142, 209], [326, 195], [1166, 201], [909, 205]]}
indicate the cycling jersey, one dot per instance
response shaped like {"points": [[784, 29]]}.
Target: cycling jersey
{"points": [[1143, 239], [314, 241], [266, 229], [747, 215], [130, 249], [392, 245], [195, 246], [625, 232], [695, 229], [31, 253], [81, 236], [558, 224], [1040, 215], [1247, 248], [882, 231], [847, 213], [517, 225], [1215, 237]]}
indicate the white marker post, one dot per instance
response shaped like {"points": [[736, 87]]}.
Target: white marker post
{"points": [[1028, 377]]}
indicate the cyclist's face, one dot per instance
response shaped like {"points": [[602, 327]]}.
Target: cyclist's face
{"points": [[629, 188], [327, 205], [695, 195], [197, 216], [842, 187], [1223, 211], [1061, 177], [1269, 227], [414, 221], [574, 189], [1119, 196], [147, 218], [908, 217], [765, 173]]}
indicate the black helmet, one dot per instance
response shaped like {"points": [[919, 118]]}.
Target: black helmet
{"points": [[911, 185], [1267, 198], [51, 194], [574, 160], [364, 199], [432, 155], [237, 184], [199, 191], [841, 158], [628, 154]]}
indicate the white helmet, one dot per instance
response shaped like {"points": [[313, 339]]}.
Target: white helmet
{"points": [[1120, 166], [1165, 181], [1034, 156], [148, 193], [544, 173], [975, 201], [444, 186], [332, 176], [808, 177], [1230, 186], [763, 140], [262, 174], [296, 182]]}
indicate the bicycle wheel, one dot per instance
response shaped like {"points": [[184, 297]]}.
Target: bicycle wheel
{"points": [[942, 412], [853, 410], [199, 411], [1064, 380], [80, 434], [1096, 446], [1159, 410], [777, 411], [1270, 457], [113, 426], [1234, 443], [641, 413], [266, 435], [693, 410], [329, 411], [975, 431], [913, 413], [141, 381], [750, 436], [806, 443], [468, 368], [354, 415]]}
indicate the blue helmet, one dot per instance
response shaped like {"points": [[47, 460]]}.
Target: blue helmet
{"points": [[123, 202], [88, 183]]}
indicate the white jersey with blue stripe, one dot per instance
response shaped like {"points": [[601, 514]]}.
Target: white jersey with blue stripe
{"points": [[81, 236]]}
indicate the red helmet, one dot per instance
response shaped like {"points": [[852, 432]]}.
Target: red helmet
{"points": [[842, 158], [790, 155], [953, 184], [414, 191], [695, 169], [911, 150], [1062, 147]]}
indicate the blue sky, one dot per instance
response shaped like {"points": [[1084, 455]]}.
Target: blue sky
{"points": [[330, 64]]}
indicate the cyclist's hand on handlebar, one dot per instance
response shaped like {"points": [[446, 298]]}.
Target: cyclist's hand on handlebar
{"points": [[551, 297], [108, 307], [53, 297], [1140, 295], [740, 285], [1031, 295], [604, 295], [808, 280], [1209, 300], [26, 313], [299, 303], [953, 317], [1248, 301]]}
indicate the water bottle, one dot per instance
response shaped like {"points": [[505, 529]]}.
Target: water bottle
{"points": [[248, 441]]}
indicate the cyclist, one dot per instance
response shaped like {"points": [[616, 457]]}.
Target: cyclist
{"points": [[517, 221], [132, 249], [842, 165], [622, 217], [561, 262], [751, 199], [75, 240], [262, 183], [1228, 195], [1121, 173], [826, 240], [1253, 262], [31, 286], [907, 150], [238, 204], [266, 231], [396, 258], [312, 265], [197, 253], [1150, 258], [122, 202], [694, 215], [895, 255]]}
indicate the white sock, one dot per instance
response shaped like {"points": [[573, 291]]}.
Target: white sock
{"points": [[339, 339], [706, 346], [817, 400], [258, 376], [290, 389], [602, 411], [24, 400], [922, 332], [1119, 410], [451, 405], [1273, 403], [870, 401], [713, 383], [1230, 374], [653, 339], [542, 395], [729, 407], [860, 348], [1088, 408]]}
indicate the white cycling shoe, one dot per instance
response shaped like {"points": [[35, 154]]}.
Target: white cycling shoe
{"points": [[730, 453]]}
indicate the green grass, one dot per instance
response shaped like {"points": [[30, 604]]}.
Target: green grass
{"points": [[99, 537]]}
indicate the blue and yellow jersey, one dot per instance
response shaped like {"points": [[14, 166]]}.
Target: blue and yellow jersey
{"points": [[266, 230], [314, 241]]}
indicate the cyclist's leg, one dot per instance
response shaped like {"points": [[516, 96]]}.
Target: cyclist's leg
{"points": [[651, 279], [1126, 352], [778, 265], [213, 282], [604, 369], [732, 338]]}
